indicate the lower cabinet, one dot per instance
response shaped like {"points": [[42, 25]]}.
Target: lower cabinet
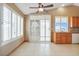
{"points": [[63, 38]]}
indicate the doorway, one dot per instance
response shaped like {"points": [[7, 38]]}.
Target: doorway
{"points": [[40, 30]]}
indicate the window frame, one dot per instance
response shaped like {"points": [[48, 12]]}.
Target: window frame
{"points": [[60, 24]]}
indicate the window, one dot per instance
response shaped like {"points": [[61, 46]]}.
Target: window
{"points": [[9, 24], [14, 19], [12, 24], [61, 24], [21, 26], [57, 24], [6, 24], [64, 24]]}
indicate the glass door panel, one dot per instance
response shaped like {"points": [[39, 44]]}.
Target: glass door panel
{"points": [[48, 39], [48, 30], [35, 30], [42, 30]]}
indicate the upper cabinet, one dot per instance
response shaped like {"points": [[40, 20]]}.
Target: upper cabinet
{"points": [[75, 21]]}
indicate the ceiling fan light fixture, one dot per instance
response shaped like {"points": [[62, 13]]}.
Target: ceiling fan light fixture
{"points": [[41, 9], [63, 5]]}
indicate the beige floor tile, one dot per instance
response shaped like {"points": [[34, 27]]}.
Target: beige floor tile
{"points": [[46, 49]]}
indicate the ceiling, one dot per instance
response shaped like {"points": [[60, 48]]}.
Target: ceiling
{"points": [[24, 7]]}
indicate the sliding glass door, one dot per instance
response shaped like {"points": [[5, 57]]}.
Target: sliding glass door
{"points": [[40, 30]]}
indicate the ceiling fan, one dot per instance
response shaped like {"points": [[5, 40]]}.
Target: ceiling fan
{"points": [[41, 7]]}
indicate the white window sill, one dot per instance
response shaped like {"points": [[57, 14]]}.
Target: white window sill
{"points": [[9, 41]]}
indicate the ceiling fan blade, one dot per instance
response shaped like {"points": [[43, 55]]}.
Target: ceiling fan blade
{"points": [[34, 7], [39, 5], [51, 5]]}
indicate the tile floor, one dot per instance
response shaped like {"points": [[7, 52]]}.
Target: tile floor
{"points": [[46, 49]]}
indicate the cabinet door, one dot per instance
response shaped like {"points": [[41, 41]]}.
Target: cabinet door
{"points": [[69, 38], [66, 38], [63, 39], [58, 39], [73, 22], [78, 21]]}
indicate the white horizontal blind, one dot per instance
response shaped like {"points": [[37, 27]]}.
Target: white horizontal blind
{"points": [[6, 24], [57, 24], [12, 25], [14, 19], [19, 26], [61, 24]]}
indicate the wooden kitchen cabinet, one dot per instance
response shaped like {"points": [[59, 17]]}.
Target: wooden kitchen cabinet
{"points": [[75, 21], [63, 38], [57, 39], [69, 38]]}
